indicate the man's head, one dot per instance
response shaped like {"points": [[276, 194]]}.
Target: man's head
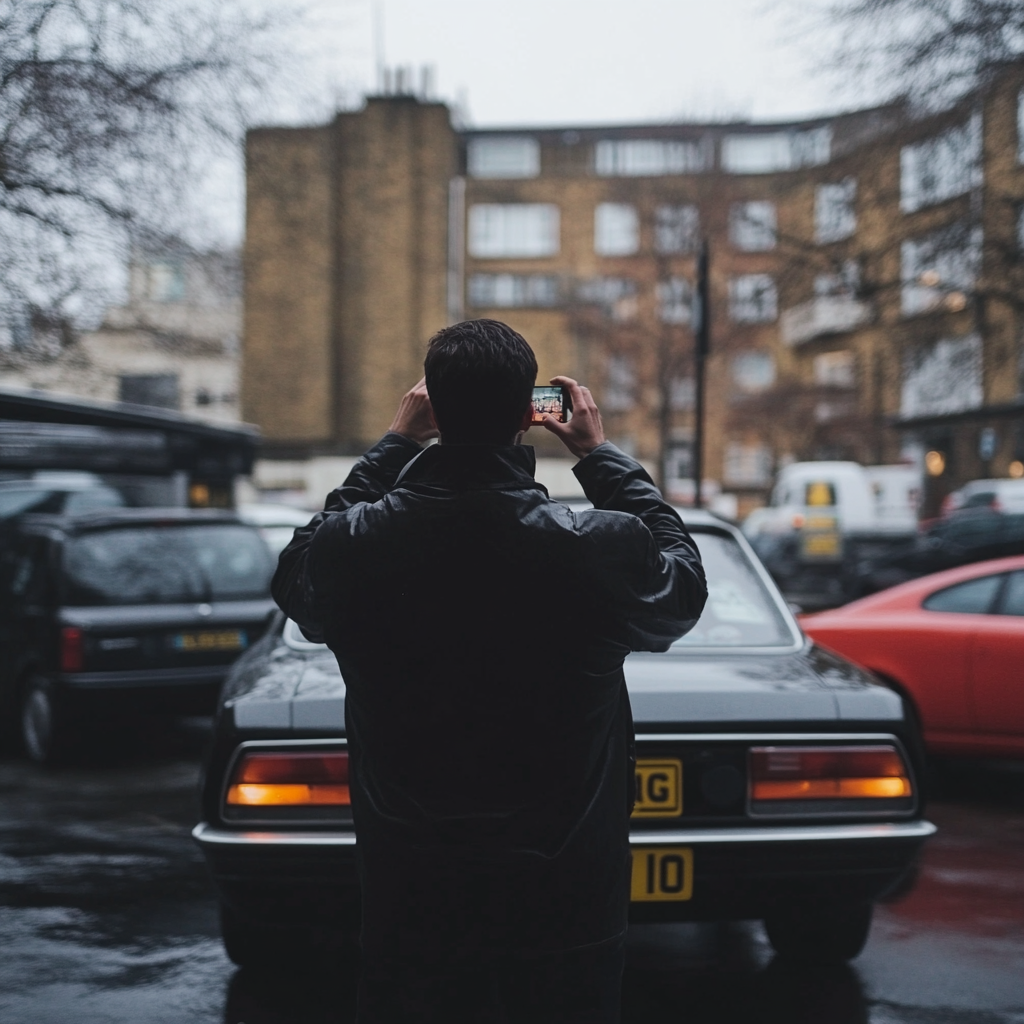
{"points": [[480, 376]]}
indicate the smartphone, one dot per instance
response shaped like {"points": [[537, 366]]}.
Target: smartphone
{"points": [[552, 400]]}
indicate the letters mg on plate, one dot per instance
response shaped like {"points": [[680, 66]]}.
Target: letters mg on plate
{"points": [[662, 874], [659, 788]]}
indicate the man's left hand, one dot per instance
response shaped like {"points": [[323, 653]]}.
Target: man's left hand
{"points": [[415, 417]]}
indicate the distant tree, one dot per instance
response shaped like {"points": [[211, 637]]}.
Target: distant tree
{"points": [[108, 108], [932, 51]]}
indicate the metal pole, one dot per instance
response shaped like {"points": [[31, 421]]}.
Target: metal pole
{"points": [[702, 345]]}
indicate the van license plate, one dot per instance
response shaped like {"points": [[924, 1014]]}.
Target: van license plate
{"points": [[661, 874]]}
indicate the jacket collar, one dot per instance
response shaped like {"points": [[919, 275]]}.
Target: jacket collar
{"points": [[473, 467]]}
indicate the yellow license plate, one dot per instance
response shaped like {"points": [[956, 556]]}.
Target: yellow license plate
{"points": [[821, 545], [659, 788], [661, 874], [228, 640]]}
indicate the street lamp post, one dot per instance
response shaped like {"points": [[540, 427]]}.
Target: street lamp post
{"points": [[702, 346]]}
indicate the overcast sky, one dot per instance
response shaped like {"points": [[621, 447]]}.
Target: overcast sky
{"points": [[535, 62], [565, 61]]}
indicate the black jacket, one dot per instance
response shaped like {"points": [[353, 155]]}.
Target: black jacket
{"points": [[481, 629]]}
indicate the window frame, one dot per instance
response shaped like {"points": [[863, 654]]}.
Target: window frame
{"points": [[478, 212], [602, 231]]}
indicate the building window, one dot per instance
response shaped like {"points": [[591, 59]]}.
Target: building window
{"points": [[616, 229], [942, 378], [617, 296], [678, 462], [682, 394], [752, 226], [525, 230], [764, 152], [641, 158], [513, 290], [747, 465], [620, 385], [1020, 231], [503, 156], [940, 269], [834, 369], [834, 215], [844, 283], [155, 389], [676, 229], [752, 299], [941, 167], [753, 371], [675, 300], [165, 282]]}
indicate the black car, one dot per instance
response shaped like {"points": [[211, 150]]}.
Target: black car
{"points": [[774, 780], [122, 610], [69, 496], [976, 532]]}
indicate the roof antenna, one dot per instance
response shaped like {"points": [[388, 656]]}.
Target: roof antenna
{"points": [[378, 43]]}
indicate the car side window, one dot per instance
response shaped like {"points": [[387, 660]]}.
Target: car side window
{"points": [[23, 571], [1012, 602], [974, 597]]}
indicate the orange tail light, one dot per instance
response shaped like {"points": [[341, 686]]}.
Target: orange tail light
{"points": [[828, 773], [290, 780]]}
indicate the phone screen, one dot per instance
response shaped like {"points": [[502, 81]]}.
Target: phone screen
{"points": [[551, 400]]}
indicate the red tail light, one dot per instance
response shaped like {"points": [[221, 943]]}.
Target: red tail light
{"points": [[828, 773], [290, 780], [71, 656]]}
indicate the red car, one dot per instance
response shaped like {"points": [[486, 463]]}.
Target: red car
{"points": [[953, 643]]}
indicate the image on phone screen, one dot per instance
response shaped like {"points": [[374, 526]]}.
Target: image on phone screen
{"points": [[550, 400]]}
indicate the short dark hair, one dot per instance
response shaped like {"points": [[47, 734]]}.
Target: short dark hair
{"points": [[480, 376]]}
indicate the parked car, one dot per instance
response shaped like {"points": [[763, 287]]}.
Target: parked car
{"points": [[69, 493], [775, 780], [953, 644], [999, 495], [122, 610], [975, 532], [276, 523]]}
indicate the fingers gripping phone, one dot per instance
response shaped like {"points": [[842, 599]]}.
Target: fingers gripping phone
{"points": [[554, 401]]}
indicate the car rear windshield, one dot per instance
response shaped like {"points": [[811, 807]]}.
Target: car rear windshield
{"points": [[166, 565], [740, 611]]}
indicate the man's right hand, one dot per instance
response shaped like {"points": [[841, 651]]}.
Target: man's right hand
{"points": [[415, 417], [584, 432]]}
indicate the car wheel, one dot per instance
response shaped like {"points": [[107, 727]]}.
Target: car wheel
{"points": [[44, 729], [822, 932]]}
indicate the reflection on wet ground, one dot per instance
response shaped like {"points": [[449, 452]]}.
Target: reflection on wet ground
{"points": [[106, 915]]}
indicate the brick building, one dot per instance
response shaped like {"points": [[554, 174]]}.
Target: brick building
{"points": [[867, 285]]}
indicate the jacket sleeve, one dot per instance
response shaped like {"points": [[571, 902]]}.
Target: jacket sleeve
{"points": [[370, 479], [657, 579]]}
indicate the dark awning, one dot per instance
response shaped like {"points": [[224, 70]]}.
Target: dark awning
{"points": [[40, 431]]}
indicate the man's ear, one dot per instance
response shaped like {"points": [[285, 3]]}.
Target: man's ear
{"points": [[527, 418]]}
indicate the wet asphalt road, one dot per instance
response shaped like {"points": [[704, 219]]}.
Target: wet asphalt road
{"points": [[107, 917]]}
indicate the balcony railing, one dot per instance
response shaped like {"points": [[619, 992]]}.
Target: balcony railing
{"points": [[827, 314]]}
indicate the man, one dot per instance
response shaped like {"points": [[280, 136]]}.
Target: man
{"points": [[481, 629]]}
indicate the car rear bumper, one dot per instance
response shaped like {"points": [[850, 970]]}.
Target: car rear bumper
{"points": [[143, 679], [310, 877]]}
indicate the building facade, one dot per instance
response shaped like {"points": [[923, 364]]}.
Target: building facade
{"points": [[866, 281], [174, 344]]}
